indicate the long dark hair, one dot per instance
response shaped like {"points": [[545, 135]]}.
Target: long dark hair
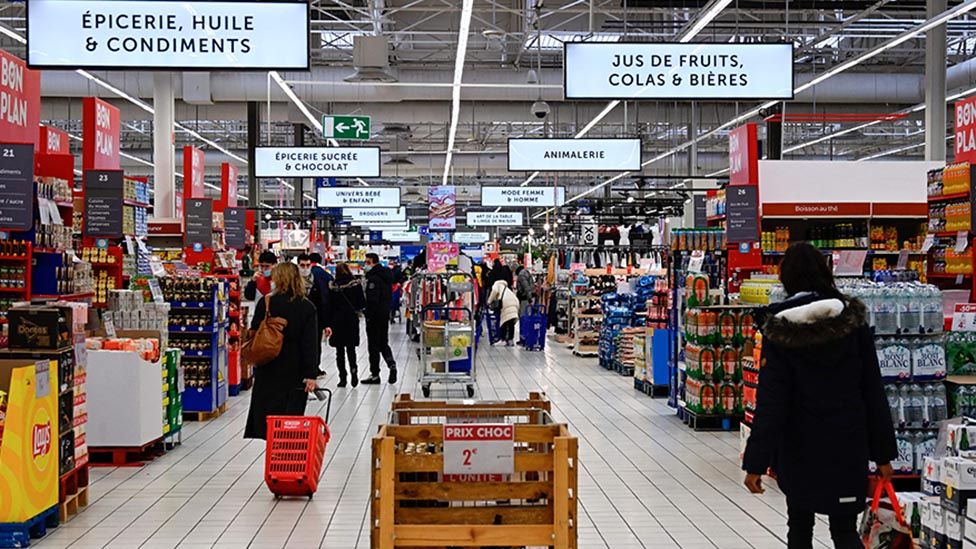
{"points": [[804, 269]]}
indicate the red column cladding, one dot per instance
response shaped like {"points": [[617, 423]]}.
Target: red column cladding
{"points": [[101, 131], [20, 101]]}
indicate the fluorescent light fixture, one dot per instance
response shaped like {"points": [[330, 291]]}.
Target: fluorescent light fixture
{"points": [[212, 186], [463, 29], [705, 17]]}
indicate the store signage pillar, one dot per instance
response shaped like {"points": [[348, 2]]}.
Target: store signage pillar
{"points": [[20, 101], [744, 155], [101, 128], [164, 153], [935, 84], [253, 133]]}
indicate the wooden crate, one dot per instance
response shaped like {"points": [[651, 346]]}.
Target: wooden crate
{"points": [[412, 506]]}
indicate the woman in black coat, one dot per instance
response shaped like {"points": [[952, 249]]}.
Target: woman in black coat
{"points": [[346, 299], [280, 386], [821, 410]]}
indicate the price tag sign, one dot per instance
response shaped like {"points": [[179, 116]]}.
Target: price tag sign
{"points": [[962, 241], [927, 244], [157, 292], [850, 263], [156, 266], [964, 317], [42, 378], [109, 326], [902, 260], [696, 261], [479, 449]]}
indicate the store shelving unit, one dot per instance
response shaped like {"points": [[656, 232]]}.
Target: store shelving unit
{"points": [[239, 376], [959, 275], [18, 267], [585, 324], [205, 367]]}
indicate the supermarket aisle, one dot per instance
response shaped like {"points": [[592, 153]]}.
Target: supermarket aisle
{"points": [[645, 479]]}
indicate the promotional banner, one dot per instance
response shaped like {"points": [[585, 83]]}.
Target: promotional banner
{"points": [[375, 215], [53, 141], [744, 155], [442, 254], [167, 35], [17, 187], [965, 130], [496, 219], [100, 131], [363, 197], [317, 162], [20, 101], [198, 222], [654, 71], [441, 209], [104, 190], [471, 238], [193, 172], [228, 185], [523, 196], [235, 227], [573, 155]]}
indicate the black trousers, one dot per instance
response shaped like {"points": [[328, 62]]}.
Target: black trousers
{"points": [[378, 343], [506, 332], [843, 530], [341, 354]]}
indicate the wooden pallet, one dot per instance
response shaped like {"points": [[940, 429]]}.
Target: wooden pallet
{"points": [[205, 416], [131, 456], [649, 389], [73, 493], [19, 534]]}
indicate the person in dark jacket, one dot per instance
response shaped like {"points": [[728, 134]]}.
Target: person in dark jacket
{"points": [[379, 294], [500, 271], [821, 410], [346, 300], [280, 386], [313, 290], [321, 276]]}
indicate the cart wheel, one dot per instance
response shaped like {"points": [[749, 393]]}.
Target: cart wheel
{"points": [[277, 496], [310, 496], [426, 391], [470, 391]]}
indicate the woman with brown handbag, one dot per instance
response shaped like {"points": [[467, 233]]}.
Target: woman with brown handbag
{"points": [[281, 383]]}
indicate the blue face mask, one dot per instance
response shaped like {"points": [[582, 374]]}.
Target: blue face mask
{"points": [[266, 272], [367, 268]]}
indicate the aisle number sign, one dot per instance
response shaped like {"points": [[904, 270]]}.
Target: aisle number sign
{"points": [[346, 127], [479, 449], [317, 162]]}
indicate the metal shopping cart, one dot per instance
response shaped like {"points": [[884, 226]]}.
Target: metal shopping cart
{"points": [[295, 450], [447, 353]]}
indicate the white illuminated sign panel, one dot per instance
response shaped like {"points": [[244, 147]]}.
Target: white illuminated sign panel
{"points": [[317, 162], [166, 34], [401, 236], [358, 197], [573, 155], [496, 219], [523, 196], [471, 238], [659, 71], [372, 215]]}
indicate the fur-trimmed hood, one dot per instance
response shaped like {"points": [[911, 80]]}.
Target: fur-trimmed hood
{"points": [[813, 320]]}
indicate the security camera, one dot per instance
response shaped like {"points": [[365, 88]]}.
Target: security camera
{"points": [[540, 109]]}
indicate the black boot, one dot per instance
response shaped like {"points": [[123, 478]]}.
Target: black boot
{"points": [[342, 382], [393, 375], [355, 378]]}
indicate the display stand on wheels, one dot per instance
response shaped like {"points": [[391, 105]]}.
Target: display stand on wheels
{"points": [[447, 350]]}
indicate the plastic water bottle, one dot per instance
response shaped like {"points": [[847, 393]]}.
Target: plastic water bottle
{"points": [[938, 408], [911, 319], [894, 405], [885, 312], [932, 310]]}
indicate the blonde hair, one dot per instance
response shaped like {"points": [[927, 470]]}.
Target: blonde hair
{"points": [[288, 281]]}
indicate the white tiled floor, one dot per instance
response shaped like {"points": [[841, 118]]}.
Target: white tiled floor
{"points": [[646, 480]]}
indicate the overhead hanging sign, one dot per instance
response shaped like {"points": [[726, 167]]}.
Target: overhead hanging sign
{"points": [[478, 219], [346, 127], [523, 196], [193, 172], [656, 71], [235, 227], [471, 238], [167, 34], [228, 185], [573, 155], [361, 197], [17, 186], [20, 101], [373, 215], [441, 209], [101, 128], [53, 140], [744, 155], [317, 162], [104, 190], [965, 130], [401, 236]]}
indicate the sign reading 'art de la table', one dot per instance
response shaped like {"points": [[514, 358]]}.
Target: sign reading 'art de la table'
{"points": [[167, 34], [317, 162], [523, 196], [653, 71], [358, 197], [495, 219], [573, 155]]}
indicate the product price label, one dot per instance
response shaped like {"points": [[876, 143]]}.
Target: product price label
{"points": [[109, 327], [962, 241], [696, 261], [479, 449], [902, 260], [964, 317], [42, 379], [927, 244], [850, 262], [157, 292]]}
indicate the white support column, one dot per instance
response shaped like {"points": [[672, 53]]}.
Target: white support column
{"points": [[164, 152], [935, 85]]}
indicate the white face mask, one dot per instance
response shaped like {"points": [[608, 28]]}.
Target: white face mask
{"points": [[272, 286], [305, 272]]}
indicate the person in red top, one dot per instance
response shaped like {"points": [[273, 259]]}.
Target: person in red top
{"points": [[260, 285]]}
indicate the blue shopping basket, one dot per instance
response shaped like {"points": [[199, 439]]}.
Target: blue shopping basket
{"points": [[532, 328]]}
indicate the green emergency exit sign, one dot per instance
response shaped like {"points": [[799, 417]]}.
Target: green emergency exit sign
{"points": [[345, 127]]}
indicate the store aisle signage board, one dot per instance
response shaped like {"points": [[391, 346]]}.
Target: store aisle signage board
{"points": [[193, 172], [167, 35], [479, 449], [317, 162], [228, 185], [493, 219], [101, 128], [16, 187], [656, 71], [471, 238], [965, 130], [744, 155], [523, 196], [358, 197], [701, 211], [573, 155], [104, 190], [742, 214], [20, 101], [235, 227], [346, 127], [401, 236], [52, 140], [198, 223], [441, 208], [380, 215]]}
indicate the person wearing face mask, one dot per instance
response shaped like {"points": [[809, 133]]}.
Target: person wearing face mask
{"points": [[313, 292], [260, 285], [379, 295]]}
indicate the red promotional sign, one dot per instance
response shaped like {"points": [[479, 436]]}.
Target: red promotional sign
{"points": [[101, 131], [20, 101], [193, 165], [744, 155], [228, 185], [53, 141], [966, 130]]}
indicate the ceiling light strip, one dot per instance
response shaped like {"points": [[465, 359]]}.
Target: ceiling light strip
{"points": [[463, 29]]}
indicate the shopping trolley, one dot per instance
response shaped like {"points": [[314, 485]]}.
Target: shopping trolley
{"points": [[447, 351], [295, 450]]}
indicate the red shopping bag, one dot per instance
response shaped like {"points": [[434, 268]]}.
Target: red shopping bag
{"points": [[884, 528]]}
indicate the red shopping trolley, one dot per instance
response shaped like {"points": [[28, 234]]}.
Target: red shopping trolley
{"points": [[295, 451]]}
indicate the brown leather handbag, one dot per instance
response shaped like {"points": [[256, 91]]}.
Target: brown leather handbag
{"points": [[265, 345]]}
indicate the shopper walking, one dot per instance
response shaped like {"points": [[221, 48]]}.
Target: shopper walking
{"points": [[821, 409], [346, 301], [313, 291], [379, 294], [260, 285], [524, 289], [280, 385], [505, 304], [321, 276]]}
